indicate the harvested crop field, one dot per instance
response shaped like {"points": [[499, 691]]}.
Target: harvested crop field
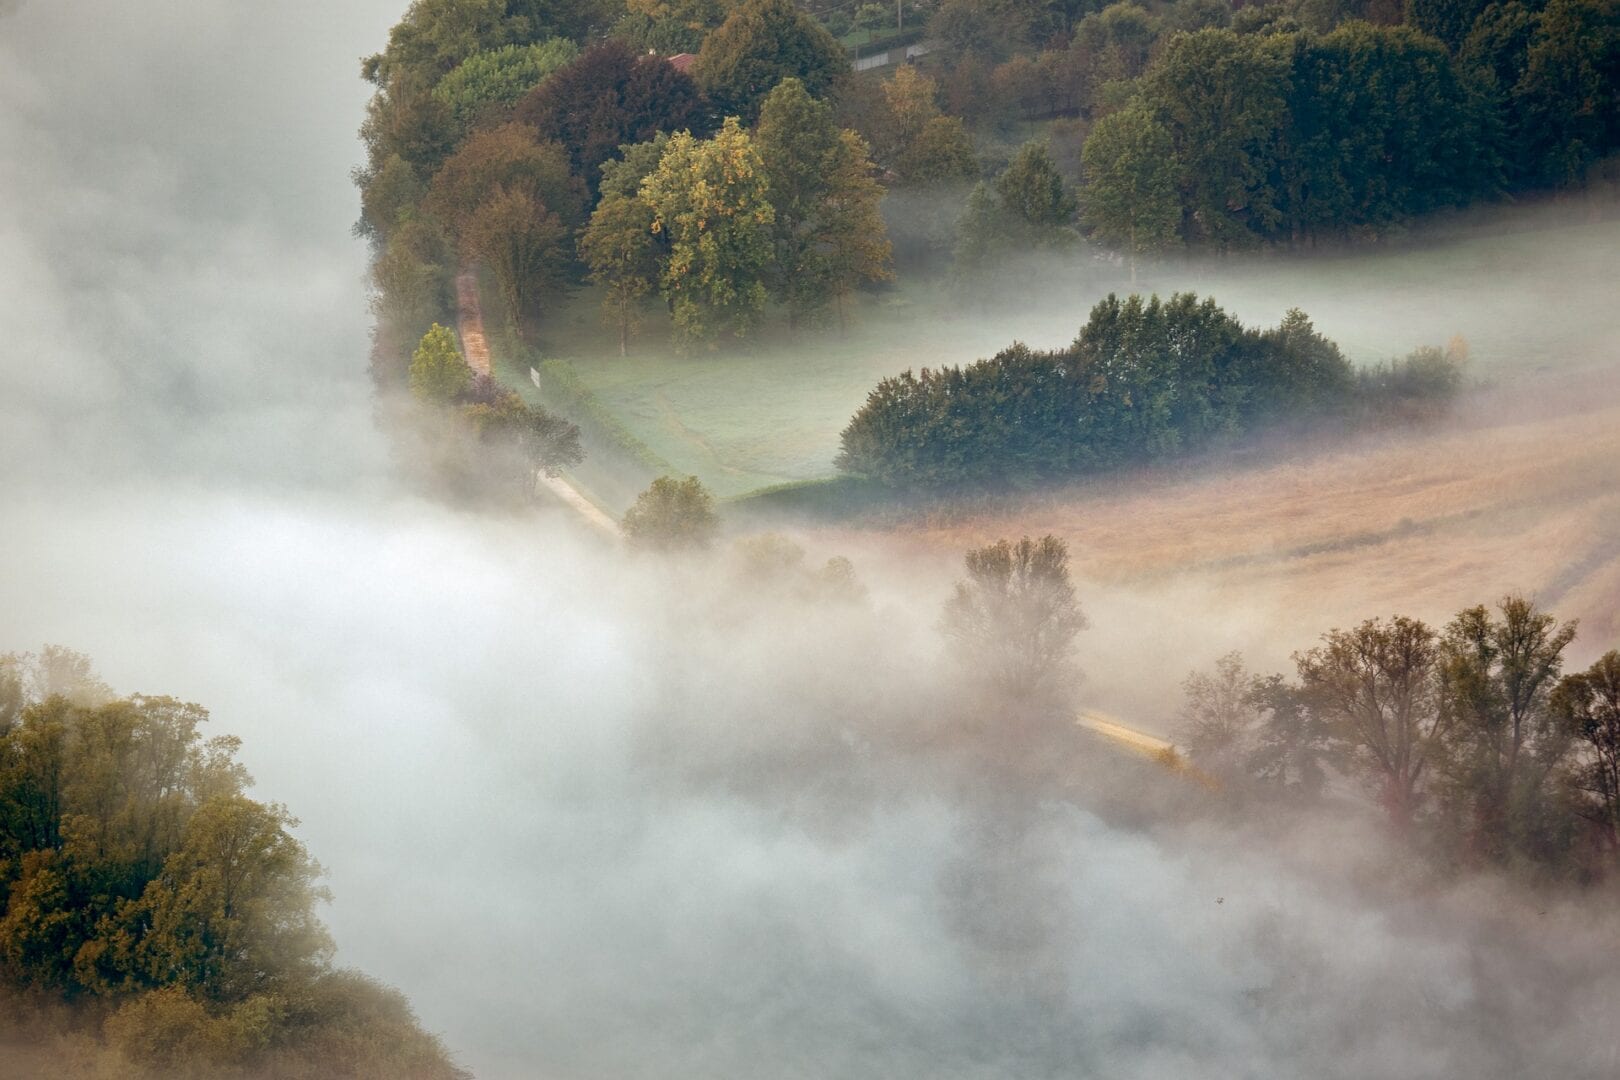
{"points": [[1264, 554]]}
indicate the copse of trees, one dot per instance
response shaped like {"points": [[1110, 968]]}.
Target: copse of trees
{"points": [[1471, 738], [721, 226], [139, 880], [1146, 380]]}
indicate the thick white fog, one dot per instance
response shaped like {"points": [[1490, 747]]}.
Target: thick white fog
{"points": [[601, 817]]}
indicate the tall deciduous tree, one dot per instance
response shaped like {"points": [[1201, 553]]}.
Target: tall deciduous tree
{"points": [[828, 234], [507, 157], [1498, 673], [523, 243], [1379, 690], [761, 43], [1222, 98], [623, 255], [1035, 195], [1015, 616], [711, 200], [1587, 705], [1130, 194]]}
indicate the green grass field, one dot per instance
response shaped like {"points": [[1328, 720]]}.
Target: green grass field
{"points": [[769, 412]]}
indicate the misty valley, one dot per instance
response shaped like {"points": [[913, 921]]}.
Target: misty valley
{"points": [[783, 538]]}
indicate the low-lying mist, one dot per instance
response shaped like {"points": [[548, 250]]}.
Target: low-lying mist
{"points": [[600, 815], [611, 816]]}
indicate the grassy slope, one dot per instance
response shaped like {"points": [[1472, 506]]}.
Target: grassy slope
{"points": [[769, 412]]}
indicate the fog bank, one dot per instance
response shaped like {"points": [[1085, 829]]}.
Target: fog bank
{"points": [[600, 816]]}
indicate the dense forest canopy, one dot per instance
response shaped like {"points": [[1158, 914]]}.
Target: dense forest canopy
{"points": [[1181, 124], [139, 881]]}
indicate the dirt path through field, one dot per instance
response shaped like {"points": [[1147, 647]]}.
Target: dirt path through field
{"points": [[470, 320]]}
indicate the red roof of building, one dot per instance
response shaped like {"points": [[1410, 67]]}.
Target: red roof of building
{"points": [[682, 62]]}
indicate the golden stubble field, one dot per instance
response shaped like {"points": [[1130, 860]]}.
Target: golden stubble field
{"points": [[1519, 491]]}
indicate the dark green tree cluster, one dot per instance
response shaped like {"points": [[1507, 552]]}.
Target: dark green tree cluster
{"points": [[138, 877], [1144, 381], [1296, 136], [1469, 737]]}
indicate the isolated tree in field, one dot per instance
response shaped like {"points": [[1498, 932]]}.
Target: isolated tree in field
{"points": [[523, 243], [439, 375], [623, 256], [827, 234], [532, 437], [1379, 690], [1587, 706], [672, 515], [711, 202], [1498, 673], [611, 96], [761, 43], [1014, 617], [1130, 193]]}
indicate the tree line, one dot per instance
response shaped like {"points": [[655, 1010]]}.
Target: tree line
{"points": [[1145, 380], [139, 882], [496, 123], [1231, 139], [1471, 737]]}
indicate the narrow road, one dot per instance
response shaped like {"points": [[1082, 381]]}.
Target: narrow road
{"points": [[475, 347]]}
